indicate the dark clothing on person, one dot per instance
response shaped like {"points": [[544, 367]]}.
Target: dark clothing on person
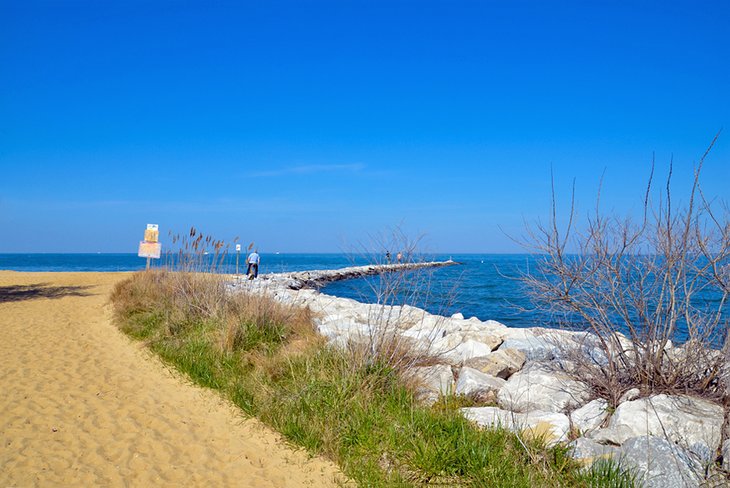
{"points": [[253, 264]]}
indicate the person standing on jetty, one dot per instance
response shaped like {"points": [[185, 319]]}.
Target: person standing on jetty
{"points": [[253, 260]]}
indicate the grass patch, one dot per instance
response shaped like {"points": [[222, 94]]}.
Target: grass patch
{"points": [[267, 359]]}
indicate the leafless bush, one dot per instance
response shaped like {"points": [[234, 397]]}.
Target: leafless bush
{"points": [[641, 288], [396, 296]]}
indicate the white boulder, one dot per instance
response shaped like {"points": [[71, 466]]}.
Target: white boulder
{"points": [[342, 331], [590, 416], [534, 348], [631, 394], [659, 463], [692, 423], [472, 382], [536, 388], [433, 381], [550, 426], [501, 363], [460, 351], [587, 451]]}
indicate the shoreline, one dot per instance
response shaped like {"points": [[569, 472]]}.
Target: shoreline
{"points": [[526, 382], [507, 364]]}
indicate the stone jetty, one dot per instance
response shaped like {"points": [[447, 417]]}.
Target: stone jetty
{"points": [[316, 279], [518, 376]]}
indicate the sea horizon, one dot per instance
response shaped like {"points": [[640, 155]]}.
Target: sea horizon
{"points": [[485, 286], [477, 287]]}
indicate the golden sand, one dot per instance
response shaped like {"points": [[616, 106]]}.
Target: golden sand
{"points": [[82, 405]]}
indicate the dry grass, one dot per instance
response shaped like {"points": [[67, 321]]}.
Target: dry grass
{"points": [[182, 299]]}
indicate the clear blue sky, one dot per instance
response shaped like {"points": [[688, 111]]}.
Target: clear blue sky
{"points": [[308, 125]]}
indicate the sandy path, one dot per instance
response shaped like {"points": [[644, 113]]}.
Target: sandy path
{"points": [[81, 405]]}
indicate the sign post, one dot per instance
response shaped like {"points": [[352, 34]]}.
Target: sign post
{"points": [[238, 253], [150, 247]]}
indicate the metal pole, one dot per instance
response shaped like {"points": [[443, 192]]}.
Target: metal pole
{"points": [[148, 264], [238, 253]]}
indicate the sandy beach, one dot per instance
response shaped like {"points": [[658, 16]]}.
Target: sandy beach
{"points": [[83, 405]]}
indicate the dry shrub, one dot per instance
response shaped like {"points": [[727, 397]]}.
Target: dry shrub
{"points": [[196, 252], [394, 295], [250, 318], [641, 288], [241, 321]]}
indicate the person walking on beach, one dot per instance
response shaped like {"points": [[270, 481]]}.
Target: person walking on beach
{"points": [[399, 257], [253, 260]]}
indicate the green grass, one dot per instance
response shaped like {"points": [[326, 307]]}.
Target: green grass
{"points": [[362, 416]]}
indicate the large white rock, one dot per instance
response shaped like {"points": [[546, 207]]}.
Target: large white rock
{"points": [[631, 394], [661, 464], [457, 340], [691, 423], [472, 381], [555, 427], [590, 416], [433, 381], [536, 388], [342, 331], [492, 325], [387, 318], [484, 336], [427, 330], [587, 451], [517, 333], [491, 417], [550, 426], [460, 351], [501, 363], [535, 348]]}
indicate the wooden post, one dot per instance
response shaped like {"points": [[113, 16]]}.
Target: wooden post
{"points": [[148, 264], [238, 253]]}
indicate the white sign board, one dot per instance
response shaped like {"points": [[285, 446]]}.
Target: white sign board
{"points": [[149, 250], [238, 247]]}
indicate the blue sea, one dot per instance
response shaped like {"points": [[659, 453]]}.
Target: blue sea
{"points": [[481, 285]]}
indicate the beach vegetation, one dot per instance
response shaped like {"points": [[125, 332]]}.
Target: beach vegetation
{"points": [[653, 292], [401, 297], [266, 357]]}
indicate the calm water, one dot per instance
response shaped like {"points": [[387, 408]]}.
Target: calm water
{"points": [[474, 288], [271, 263], [481, 285]]}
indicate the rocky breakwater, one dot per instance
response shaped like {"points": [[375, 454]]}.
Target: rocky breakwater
{"points": [[316, 279], [519, 377]]}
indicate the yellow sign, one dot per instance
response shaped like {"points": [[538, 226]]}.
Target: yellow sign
{"points": [[149, 250], [151, 235]]}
